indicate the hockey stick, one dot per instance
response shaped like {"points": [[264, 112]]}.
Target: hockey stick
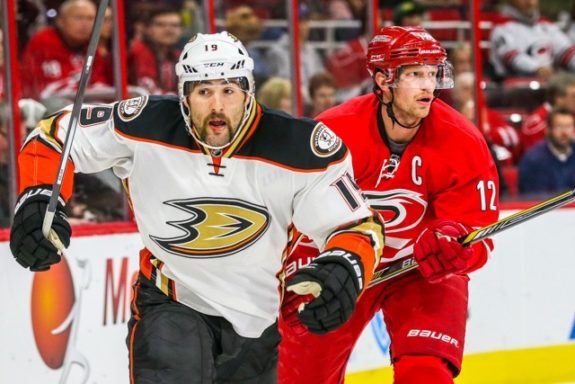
{"points": [[405, 265], [47, 230]]}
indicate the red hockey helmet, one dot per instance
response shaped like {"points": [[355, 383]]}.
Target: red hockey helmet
{"points": [[394, 47]]}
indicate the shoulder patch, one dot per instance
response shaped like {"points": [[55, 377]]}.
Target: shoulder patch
{"points": [[323, 141], [130, 109]]}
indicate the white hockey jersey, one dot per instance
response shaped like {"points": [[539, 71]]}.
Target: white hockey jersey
{"points": [[216, 227], [519, 45]]}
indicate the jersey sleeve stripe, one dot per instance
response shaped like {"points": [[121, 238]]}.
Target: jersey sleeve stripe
{"points": [[253, 123], [364, 239]]}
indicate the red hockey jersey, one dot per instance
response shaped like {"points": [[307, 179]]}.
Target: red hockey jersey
{"points": [[50, 67], [446, 171]]}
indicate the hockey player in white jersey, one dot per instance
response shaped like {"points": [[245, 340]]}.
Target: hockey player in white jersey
{"points": [[217, 183]]}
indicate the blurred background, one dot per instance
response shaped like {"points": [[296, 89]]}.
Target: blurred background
{"points": [[518, 88]]}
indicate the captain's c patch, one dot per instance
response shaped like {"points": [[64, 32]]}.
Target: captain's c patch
{"points": [[324, 142]]}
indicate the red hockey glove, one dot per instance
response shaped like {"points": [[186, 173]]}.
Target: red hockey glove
{"points": [[438, 252], [334, 280], [290, 310]]}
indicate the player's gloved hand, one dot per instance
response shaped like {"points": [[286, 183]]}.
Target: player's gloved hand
{"points": [[334, 279], [438, 252], [27, 243], [290, 310]]}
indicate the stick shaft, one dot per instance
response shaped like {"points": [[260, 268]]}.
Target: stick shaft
{"points": [[407, 264], [73, 123]]}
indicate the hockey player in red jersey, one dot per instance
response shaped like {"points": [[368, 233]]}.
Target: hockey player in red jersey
{"points": [[429, 172], [217, 183]]}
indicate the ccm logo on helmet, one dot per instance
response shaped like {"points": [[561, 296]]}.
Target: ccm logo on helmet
{"points": [[433, 335]]}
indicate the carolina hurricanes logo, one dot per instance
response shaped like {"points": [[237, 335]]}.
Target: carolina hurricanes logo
{"points": [[402, 209], [216, 228]]}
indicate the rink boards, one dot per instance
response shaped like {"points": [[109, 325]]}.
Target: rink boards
{"points": [[69, 326]]}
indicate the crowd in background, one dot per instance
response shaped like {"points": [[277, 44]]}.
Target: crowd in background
{"points": [[528, 70]]}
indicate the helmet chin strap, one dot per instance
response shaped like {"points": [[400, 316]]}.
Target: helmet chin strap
{"points": [[391, 113]]}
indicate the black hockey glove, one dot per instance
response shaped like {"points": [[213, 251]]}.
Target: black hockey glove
{"points": [[27, 243], [335, 279]]}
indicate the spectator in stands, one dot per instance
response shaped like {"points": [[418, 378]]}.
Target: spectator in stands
{"points": [[525, 44], [503, 137], [105, 42], [136, 22], [54, 56], [560, 94], [441, 3], [460, 58], [408, 14], [278, 56], [276, 93], [322, 90], [549, 166], [192, 20], [348, 66], [243, 23], [266, 9], [570, 25], [152, 60], [347, 10], [27, 16]]}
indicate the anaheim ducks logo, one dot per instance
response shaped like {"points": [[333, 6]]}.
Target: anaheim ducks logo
{"points": [[216, 228], [323, 141], [129, 109]]}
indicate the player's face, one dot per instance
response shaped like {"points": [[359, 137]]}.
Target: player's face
{"points": [[413, 94], [216, 110]]}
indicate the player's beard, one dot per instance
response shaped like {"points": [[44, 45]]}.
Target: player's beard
{"points": [[208, 136]]}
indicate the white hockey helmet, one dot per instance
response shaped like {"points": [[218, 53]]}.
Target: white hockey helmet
{"points": [[213, 57]]}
